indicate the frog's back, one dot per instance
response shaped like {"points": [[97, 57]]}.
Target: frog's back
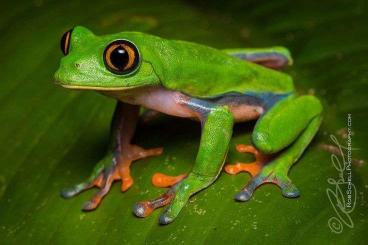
{"points": [[203, 71]]}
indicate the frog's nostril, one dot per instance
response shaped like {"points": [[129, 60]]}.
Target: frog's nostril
{"points": [[77, 65]]}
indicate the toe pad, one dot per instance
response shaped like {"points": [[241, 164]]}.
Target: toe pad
{"points": [[141, 210], [243, 196], [164, 220]]}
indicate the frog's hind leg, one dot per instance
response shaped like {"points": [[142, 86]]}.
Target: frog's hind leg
{"points": [[288, 128], [274, 57]]}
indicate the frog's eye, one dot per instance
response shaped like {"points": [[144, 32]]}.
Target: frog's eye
{"points": [[121, 57], [65, 42]]}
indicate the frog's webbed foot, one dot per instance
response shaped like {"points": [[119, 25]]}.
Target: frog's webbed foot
{"points": [[176, 197], [107, 171], [145, 208], [269, 174], [263, 170]]}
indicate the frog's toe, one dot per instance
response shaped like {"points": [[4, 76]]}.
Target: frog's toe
{"points": [[243, 196], [108, 178], [73, 191], [141, 210], [165, 219], [254, 167], [145, 208], [163, 180], [77, 189], [289, 190], [246, 193], [176, 205], [89, 206]]}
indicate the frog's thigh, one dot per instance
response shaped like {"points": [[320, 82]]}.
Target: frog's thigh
{"points": [[283, 123]]}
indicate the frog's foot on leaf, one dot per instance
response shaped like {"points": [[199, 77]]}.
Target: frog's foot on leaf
{"points": [[107, 171], [269, 174], [163, 180], [145, 208], [254, 167], [262, 171], [176, 198]]}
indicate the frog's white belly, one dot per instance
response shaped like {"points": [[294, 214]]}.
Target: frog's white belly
{"points": [[175, 103]]}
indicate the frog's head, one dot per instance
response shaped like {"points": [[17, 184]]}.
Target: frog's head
{"points": [[111, 62]]}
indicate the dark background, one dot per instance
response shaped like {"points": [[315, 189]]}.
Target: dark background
{"points": [[51, 138]]}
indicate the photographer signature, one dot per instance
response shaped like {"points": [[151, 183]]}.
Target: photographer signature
{"points": [[342, 194]]}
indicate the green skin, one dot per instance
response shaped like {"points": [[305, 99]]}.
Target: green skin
{"points": [[196, 74]]}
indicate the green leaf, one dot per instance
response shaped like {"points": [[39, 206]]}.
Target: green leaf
{"points": [[51, 138]]}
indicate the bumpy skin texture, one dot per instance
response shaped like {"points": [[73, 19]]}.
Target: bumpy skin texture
{"points": [[217, 88]]}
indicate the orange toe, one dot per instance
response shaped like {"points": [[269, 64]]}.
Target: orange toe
{"points": [[252, 168], [246, 149], [143, 209], [126, 183], [163, 180]]}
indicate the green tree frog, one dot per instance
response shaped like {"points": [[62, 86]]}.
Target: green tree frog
{"points": [[215, 87]]}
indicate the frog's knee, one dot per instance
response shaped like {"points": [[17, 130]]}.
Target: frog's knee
{"points": [[261, 141], [222, 110], [222, 114], [311, 103]]}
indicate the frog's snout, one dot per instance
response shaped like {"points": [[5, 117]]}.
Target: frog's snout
{"points": [[57, 77]]}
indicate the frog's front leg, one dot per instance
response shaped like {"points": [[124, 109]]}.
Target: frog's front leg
{"points": [[116, 164], [287, 128], [217, 124]]}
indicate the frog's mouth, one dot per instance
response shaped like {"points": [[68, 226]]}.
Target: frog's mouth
{"points": [[95, 88], [68, 82]]}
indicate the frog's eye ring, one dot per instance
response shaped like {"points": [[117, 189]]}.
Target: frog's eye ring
{"points": [[121, 57], [65, 42]]}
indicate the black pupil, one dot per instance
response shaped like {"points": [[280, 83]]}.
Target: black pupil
{"points": [[63, 41], [119, 57]]}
